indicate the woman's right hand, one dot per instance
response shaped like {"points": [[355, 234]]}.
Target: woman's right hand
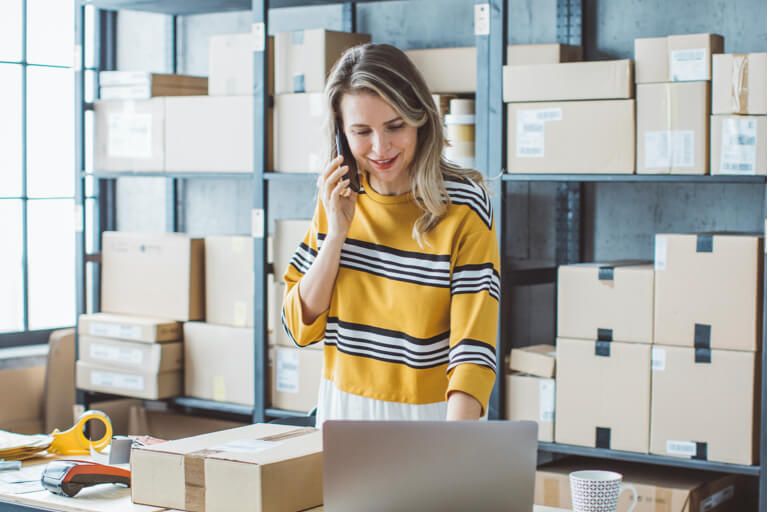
{"points": [[338, 198]]}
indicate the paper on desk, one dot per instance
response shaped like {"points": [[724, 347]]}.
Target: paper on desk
{"points": [[23, 481]]}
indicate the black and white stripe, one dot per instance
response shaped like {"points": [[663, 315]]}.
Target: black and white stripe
{"points": [[472, 195], [407, 266], [303, 258], [288, 331], [475, 279], [473, 351], [387, 345]]}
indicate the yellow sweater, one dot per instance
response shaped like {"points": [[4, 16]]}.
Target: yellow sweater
{"points": [[406, 324]]}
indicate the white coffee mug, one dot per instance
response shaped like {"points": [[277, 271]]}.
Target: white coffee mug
{"points": [[598, 491]]}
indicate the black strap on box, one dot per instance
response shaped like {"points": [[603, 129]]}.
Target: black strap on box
{"points": [[704, 243], [603, 348], [606, 273], [702, 451], [603, 438], [298, 85], [702, 353], [604, 334]]}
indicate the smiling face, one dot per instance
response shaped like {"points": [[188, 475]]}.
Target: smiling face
{"points": [[382, 143]]}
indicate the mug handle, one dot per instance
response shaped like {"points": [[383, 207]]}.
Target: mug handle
{"points": [[628, 487]]}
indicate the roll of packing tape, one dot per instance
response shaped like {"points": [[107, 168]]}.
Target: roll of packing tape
{"points": [[460, 133], [462, 107], [459, 119]]}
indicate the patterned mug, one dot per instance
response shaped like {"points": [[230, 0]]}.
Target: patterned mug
{"points": [[598, 491]]}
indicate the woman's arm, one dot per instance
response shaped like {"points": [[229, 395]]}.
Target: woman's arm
{"points": [[462, 406]]}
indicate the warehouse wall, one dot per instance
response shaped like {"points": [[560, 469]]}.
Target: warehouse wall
{"points": [[621, 219]]}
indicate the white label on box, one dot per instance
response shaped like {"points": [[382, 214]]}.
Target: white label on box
{"points": [[738, 146], [287, 372], [658, 359], [117, 380], [530, 131], [133, 356], [683, 448], [120, 331], [130, 135], [689, 65], [246, 446], [547, 400], [660, 252], [717, 499], [666, 149], [682, 148], [482, 20]]}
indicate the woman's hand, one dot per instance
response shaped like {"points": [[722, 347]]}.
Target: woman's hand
{"points": [[338, 198]]}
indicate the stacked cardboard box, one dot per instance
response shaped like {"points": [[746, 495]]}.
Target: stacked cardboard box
{"points": [[604, 345], [705, 361], [531, 388], [141, 85], [130, 356], [303, 60], [738, 124], [673, 92]]}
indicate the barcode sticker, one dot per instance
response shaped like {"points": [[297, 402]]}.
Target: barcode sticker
{"points": [[120, 331], [689, 65], [658, 359], [287, 371], [682, 448], [682, 148], [738, 146], [117, 381], [547, 400], [717, 499], [668, 149], [126, 355], [660, 252]]}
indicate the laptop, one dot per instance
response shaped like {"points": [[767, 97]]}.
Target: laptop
{"points": [[429, 466]]}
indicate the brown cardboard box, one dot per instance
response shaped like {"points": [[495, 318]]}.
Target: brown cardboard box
{"points": [[532, 398], [299, 135], [129, 135], [525, 54], [59, 394], [126, 327], [133, 383], [679, 58], [304, 58], [230, 280], [219, 362], [212, 133], [22, 369], [254, 468], [144, 357], [673, 128], [594, 137], [603, 394], [153, 274], [708, 290], [738, 145], [162, 80], [608, 301], [739, 83], [599, 80], [704, 404], [536, 360], [659, 489], [296, 374], [169, 425], [231, 65]]}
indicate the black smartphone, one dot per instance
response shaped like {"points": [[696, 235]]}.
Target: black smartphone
{"points": [[343, 148]]}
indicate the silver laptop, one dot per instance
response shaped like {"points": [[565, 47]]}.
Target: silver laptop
{"points": [[429, 466]]}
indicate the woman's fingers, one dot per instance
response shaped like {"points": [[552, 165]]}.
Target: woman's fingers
{"points": [[333, 180]]}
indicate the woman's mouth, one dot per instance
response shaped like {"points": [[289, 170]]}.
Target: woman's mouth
{"points": [[383, 165]]}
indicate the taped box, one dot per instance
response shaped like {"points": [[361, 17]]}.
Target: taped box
{"points": [[256, 468], [129, 134], [704, 404], [738, 145], [128, 327], [131, 355], [739, 83], [610, 301], [299, 132], [708, 290], [133, 383], [138, 85], [676, 58], [532, 398], [230, 280], [673, 128], [537, 360]]}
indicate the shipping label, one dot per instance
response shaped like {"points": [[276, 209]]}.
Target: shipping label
{"points": [[547, 400], [681, 448], [738, 146], [126, 355], [530, 131], [117, 380], [287, 372], [660, 252], [689, 65], [120, 331], [658, 359], [668, 149]]}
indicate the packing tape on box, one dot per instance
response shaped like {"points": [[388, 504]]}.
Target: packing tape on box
{"points": [[739, 92]]}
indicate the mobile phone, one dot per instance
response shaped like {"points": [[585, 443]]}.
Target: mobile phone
{"points": [[343, 148]]}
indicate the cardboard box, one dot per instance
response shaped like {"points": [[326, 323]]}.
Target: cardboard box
{"points": [[446, 70], [219, 363], [679, 58], [599, 80], [230, 280], [124, 382], [133, 328], [296, 374], [532, 398], [231, 65], [169, 425], [594, 137], [738, 145], [280, 466], [153, 274], [708, 290], [611, 301], [739, 83], [59, 394], [144, 357], [660, 489], [145, 78], [525, 54], [212, 133], [22, 369], [304, 58], [129, 135], [536, 360], [603, 394], [673, 128], [704, 404], [299, 135]]}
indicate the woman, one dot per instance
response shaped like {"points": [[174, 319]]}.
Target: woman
{"points": [[400, 279]]}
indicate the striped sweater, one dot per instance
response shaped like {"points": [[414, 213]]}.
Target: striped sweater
{"points": [[406, 324]]}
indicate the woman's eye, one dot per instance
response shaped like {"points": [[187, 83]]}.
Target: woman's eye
{"points": [[361, 132], [396, 127]]}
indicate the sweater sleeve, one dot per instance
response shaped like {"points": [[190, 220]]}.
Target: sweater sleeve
{"points": [[299, 331], [475, 292]]}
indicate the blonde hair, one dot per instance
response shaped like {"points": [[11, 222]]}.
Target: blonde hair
{"points": [[387, 72]]}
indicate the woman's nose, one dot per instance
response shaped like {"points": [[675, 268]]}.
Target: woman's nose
{"points": [[380, 144]]}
